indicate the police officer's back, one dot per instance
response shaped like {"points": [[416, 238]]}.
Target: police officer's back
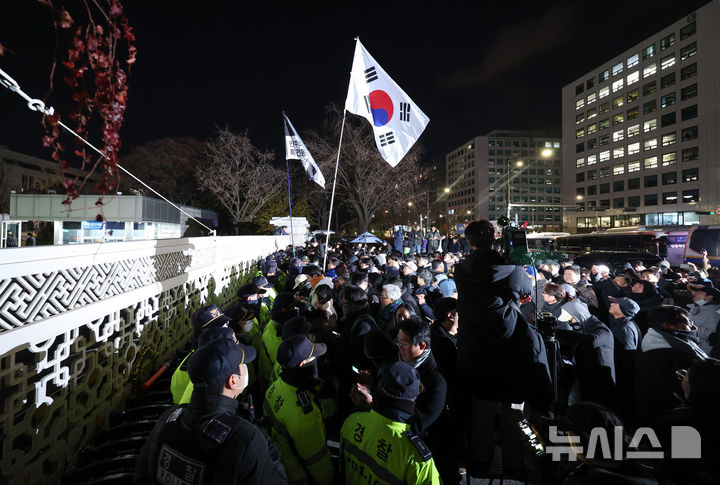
{"points": [[378, 446], [293, 407], [204, 442], [204, 319]]}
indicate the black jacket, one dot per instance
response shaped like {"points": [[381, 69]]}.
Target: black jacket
{"points": [[593, 346], [661, 353], [500, 355], [431, 401], [205, 437]]}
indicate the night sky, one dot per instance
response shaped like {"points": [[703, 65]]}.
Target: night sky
{"points": [[471, 69]]}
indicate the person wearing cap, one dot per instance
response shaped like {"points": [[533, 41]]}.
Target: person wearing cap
{"points": [[250, 296], [292, 405], [627, 338], [285, 308], [274, 274], [448, 288], [624, 329], [302, 287], [379, 446], [205, 318], [204, 441], [705, 313], [264, 284]]}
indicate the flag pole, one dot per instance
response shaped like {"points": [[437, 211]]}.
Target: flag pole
{"points": [[287, 169], [332, 197], [292, 236]]}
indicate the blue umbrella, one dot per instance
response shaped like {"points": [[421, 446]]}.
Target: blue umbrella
{"points": [[365, 238]]}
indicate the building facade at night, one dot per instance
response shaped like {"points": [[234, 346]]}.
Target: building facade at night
{"points": [[526, 165], [641, 131]]}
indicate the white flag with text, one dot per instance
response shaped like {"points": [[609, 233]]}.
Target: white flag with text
{"points": [[295, 150], [397, 121]]}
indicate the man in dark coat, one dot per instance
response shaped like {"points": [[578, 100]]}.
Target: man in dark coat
{"points": [[627, 338], [398, 237], [670, 344], [431, 422], [205, 442], [500, 355], [591, 343]]}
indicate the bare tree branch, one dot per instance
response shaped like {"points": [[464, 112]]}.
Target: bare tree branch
{"points": [[365, 182], [239, 175]]}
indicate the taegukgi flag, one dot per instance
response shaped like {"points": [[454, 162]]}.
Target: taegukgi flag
{"points": [[295, 150], [397, 121]]}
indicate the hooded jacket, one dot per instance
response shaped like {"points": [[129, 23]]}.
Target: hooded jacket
{"points": [[661, 354], [705, 317], [500, 354]]}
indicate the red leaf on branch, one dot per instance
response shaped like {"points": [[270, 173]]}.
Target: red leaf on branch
{"points": [[115, 9], [99, 218], [65, 21], [53, 119], [99, 202]]}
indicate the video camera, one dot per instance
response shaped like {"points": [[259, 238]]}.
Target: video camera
{"points": [[547, 324], [513, 242]]}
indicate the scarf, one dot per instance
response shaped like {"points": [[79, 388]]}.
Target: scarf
{"points": [[418, 361]]}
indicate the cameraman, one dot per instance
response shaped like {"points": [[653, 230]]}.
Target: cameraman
{"points": [[499, 352]]}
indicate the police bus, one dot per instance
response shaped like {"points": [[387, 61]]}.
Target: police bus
{"points": [[703, 238], [666, 242]]}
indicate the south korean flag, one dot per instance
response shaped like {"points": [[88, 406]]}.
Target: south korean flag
{"points": [[397, 121]]}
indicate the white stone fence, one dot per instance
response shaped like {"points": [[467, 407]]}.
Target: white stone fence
{"points": [[81, 325]]}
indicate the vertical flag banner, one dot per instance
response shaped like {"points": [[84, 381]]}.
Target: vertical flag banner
{"points": [[397, 121], [295, 150]]}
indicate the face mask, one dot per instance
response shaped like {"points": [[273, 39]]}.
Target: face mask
{"points": [[246, 378], [247, 326], [700, 302]]}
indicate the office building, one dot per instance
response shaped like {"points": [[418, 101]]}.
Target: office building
{"points": [[641, 131], [526, 165]]}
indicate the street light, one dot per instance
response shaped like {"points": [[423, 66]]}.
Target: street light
{"points": [[446, 190], [545, 153]]}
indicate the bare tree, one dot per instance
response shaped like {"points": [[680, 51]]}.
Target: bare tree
{"points": [[366, 182], [4, 191], [153, 162], [239, 175]]}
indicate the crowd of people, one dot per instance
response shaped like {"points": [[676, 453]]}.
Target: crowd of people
{"points": [[407, 363]]}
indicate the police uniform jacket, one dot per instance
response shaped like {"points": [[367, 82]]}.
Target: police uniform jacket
{"points": [[298, 431], [205, 443], [379, 450]]}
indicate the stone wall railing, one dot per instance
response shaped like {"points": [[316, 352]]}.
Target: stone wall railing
{"points": [[81, 326]]}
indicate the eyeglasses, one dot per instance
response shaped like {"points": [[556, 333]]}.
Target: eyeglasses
{"points": [[402, 344], [681, 374]]}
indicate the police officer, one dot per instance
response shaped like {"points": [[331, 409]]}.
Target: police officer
{"points": [[284, 308], [205, 318], [204, 441], [293, 407], [378, 446]]}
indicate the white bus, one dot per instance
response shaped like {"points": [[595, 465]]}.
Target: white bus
{"points": [[703, 238]]}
